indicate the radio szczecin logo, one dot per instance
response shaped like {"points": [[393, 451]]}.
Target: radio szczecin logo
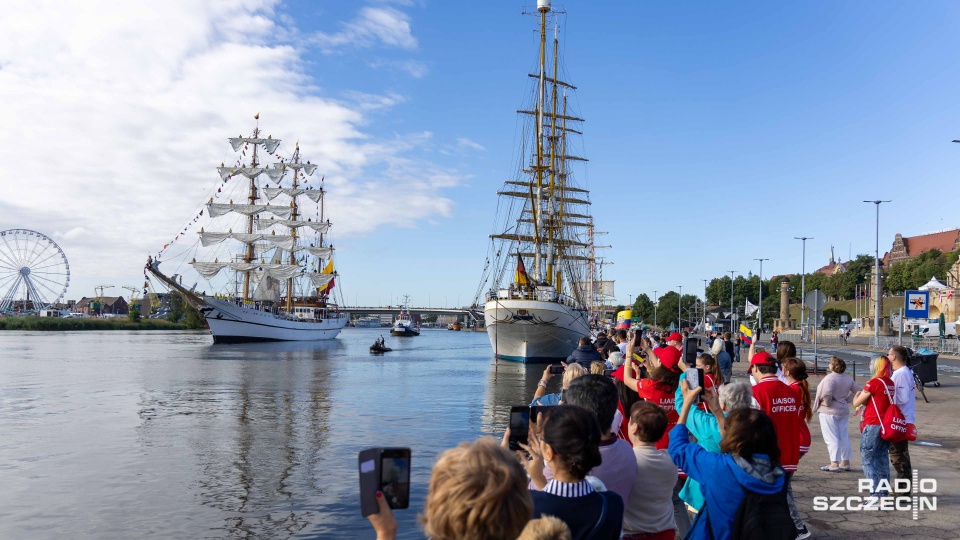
{"points": [[903, 495]]}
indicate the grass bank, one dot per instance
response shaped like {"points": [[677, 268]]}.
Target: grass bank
{"points": [[56, 324]]}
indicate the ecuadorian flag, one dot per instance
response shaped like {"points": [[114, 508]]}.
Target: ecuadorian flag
{"points": [[746, 335]]}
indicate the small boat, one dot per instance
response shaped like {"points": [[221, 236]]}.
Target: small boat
{"points": [[378, 348], [404, 326]]}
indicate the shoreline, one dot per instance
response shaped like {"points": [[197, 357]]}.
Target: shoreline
{"points": [[64, 324]]}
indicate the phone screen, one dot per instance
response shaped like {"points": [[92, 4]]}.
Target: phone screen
{"points": [[608, 372], [519, 426], [395, 476], [556, 370]]}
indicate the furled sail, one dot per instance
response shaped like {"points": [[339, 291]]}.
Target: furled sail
{"points": [[314, 194], [277, 271], [217, 209], [320, 280], [320, 252], [269, 143], [319, 226], [212, 238], [306, 167]]}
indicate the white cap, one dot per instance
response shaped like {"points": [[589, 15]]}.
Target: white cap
{"points": [[543, 5]]}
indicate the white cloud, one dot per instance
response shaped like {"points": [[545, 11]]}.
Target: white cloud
{"points": [[122, 110], [464, 142], [373, 25], [414, 68]]}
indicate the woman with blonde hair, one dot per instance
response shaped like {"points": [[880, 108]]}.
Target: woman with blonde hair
{"points": [[570, 372], [477, 490], [834, 395], [875, 397]]}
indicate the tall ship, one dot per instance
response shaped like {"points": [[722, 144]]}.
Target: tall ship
{"points": [[273, 242], [537, 281]]}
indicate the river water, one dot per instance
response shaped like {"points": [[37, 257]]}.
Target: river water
{"points": [[164, 435]]}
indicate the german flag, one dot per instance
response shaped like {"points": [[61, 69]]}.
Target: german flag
{"points": [[521, 277]]}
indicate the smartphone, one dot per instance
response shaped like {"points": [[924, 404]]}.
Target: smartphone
{"points": [[519, 426], [536, 411], [695, 380], [690, 351], [386, 470], [556, 370], [608, 372]]}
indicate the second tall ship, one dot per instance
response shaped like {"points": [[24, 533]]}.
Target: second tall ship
{"points": [[538, 314], [280, 257]]}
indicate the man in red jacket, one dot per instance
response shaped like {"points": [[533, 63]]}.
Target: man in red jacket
{"points": [[779, 401]]}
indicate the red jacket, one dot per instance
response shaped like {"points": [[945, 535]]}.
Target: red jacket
{"points": [[779, 401], [802, 413]]}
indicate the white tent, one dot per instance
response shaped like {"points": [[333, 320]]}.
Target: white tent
{"points": [[933, 285]]}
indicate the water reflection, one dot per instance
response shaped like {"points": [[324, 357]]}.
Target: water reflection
{"points": [[508, 384], [256, 429]]}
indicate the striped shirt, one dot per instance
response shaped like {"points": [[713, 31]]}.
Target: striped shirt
{"points": [[566, 489]]}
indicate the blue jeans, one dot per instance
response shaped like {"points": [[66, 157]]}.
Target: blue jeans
{"points": [[875, 456]]}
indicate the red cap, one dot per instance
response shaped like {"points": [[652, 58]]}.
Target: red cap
{"points": [[675, 336], [618, 373], [763, 358], [668, 356]]}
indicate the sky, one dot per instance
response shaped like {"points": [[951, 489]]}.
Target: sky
{"points": [[716, 133]]}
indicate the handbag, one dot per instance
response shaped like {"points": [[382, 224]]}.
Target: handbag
{"points": [[893, 425], [911, 432]]}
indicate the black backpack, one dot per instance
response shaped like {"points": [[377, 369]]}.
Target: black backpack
{"points": [[763, 517]]}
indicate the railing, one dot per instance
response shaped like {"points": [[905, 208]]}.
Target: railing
{"points": [[538, 295]]}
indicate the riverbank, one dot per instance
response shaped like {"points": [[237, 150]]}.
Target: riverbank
{"points": [[59, 324]]}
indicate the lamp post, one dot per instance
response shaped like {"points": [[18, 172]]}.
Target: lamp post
{"points": [[760, 307], [803, 284], [733, 310], [876, 279], [703, 321], [679, 302], [655, 302]]}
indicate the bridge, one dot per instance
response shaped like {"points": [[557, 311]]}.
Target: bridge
{"points": [[473, 313]]}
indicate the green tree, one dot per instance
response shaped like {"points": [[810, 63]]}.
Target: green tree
{"points": [[643, 308], [193, 319], [176, 306], [134, 313]]}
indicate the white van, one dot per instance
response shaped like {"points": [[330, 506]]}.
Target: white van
{"points": [[933, 330]]}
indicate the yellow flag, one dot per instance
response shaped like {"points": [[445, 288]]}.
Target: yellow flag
{"points": [[329, 268], [256, 116]]}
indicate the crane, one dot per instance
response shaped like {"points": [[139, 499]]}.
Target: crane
{"points": [[99, 289], [134, 296]]}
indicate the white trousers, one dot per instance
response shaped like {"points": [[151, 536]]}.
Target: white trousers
{"points": [[835, 434]]}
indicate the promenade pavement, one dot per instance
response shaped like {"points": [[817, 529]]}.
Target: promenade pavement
{"points": [[935, 455]]}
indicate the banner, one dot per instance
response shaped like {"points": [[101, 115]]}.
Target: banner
{"points": [[750, 309], [624, 318]]}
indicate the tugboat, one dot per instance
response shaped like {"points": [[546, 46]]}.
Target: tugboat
{"points": [[404, 326]]}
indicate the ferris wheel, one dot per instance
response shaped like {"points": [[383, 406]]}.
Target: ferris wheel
{"points": [[34, 272]]}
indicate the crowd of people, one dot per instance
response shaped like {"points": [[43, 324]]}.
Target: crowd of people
{"points": [[631, 448]]}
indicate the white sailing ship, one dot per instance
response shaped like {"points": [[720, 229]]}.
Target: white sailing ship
{"points": [[282, 258], [539, 315]]}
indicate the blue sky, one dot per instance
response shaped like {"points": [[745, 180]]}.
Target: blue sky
{"points": [[716, 132]]}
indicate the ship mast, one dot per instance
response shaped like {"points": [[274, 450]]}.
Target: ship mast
{"points": [[543, 6], [293, 230], [248, 257], [552, 200]]}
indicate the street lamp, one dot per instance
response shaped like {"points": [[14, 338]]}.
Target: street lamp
{"points": [[655, 302], [803, 283], [760, 307], [733, 310], [703, 321], [876, 279], [679, 301]]}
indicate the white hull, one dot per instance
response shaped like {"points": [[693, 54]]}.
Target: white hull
{"points": [[533, 331], [230, 323]]}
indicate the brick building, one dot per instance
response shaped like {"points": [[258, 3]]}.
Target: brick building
{"points": [[905, 248]]}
